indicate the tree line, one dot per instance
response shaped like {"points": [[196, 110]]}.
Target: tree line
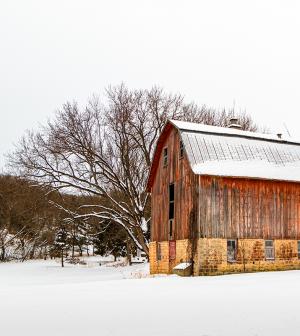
{"points": [[32, 225], [90, 165]]}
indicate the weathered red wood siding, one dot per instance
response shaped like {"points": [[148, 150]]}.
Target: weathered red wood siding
{"points": [[186, 186], [246, 208]]}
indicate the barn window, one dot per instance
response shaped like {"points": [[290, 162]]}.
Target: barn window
{"points": [[181, 150], [269, 250], [298, 249], [158, 251], [165, 156], [231, 250]]}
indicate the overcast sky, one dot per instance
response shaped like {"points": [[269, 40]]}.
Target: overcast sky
{"points": [[214, 52]]}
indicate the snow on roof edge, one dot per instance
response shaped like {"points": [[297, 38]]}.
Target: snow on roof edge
{"points": [[202, 128], [249, 169]]}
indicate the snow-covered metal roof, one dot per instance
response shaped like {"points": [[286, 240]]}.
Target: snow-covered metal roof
{"points": [[222, 151]]}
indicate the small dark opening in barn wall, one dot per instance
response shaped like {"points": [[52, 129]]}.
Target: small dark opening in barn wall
{"points": [[165, 157], [171, 201], [171, 223], [171, 210], [181, 150]]}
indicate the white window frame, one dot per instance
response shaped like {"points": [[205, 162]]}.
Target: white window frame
{"points": [[231, 258], [158, 251], [269, 250]]}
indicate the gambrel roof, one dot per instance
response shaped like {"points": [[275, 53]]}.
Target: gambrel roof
{"points": [[220, 151]]}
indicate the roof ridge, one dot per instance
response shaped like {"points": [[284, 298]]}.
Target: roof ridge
{"points": [[218, 130]]}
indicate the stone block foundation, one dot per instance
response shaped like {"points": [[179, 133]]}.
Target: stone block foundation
{"points": [[209, 256], [165, 264]]}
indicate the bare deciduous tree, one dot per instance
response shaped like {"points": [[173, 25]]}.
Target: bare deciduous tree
{"points": [[105, 150]]}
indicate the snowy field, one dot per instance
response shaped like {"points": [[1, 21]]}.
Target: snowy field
{"points": [[39, 298]]}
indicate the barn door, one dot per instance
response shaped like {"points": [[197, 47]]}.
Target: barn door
{"points": [[172, 249]]}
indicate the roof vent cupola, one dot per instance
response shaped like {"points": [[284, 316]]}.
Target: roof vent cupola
{"points": [[233, 123]]}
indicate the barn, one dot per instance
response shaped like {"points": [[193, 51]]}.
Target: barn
{"points": [[223, 201]]}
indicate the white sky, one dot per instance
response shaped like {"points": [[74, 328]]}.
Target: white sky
{"points": [[213, 52]]}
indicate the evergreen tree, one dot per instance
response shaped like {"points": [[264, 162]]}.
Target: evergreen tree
{"points": [[61, 243], [111, 241]]}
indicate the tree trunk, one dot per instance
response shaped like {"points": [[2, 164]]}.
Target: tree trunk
{"points": [[142, 241], [62, 258], [73, 241], [32, 253], [128, 252], [73, 247], [45, 253], [2, 258]]}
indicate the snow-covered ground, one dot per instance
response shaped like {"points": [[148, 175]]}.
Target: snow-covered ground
{"points": [[38, 298]]}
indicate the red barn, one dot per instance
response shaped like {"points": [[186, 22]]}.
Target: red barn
{"points": [[224, 200]]}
